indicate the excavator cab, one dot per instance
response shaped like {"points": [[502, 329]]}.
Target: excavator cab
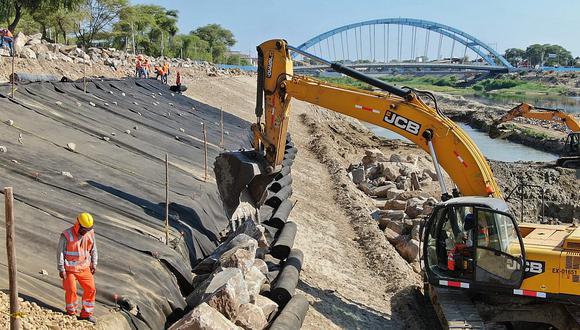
{"points": [[473, 243], [570, 155]]}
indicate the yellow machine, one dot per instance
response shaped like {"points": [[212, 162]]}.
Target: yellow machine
{"points": [[570, 155], [471, 243]]}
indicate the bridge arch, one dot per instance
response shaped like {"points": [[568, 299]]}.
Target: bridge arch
{"points": [[464, 38]]}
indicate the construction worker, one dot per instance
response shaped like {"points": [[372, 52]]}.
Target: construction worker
{"points": [[157, 70], [178, 82], [165, 72], [147, 67], [139, 66], [77, 261], [7, 37]]}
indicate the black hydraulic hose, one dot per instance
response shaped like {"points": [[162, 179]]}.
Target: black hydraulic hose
{"points": [[260, 85], [404, 93]]}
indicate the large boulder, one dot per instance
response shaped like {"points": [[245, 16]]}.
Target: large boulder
{"points": [[395, 158], [254, 280], [34, 39], [394, 193], [251, 317], [396, 226], [382, 191], [428, 205], [394, 204], [408, 249], [395, 215], [389, 170], [203, 317], [20, 41], [226, 292], [358, 175], [26, 52], [268, 306], [365, 187], [39, 48], [414, 207], [241, 257]]}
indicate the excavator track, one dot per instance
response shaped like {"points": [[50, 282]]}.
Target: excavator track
{"points": [[455, 309]]}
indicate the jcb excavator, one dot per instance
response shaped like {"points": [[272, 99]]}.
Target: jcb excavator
{"points": [[474, 253], [570, 154]]}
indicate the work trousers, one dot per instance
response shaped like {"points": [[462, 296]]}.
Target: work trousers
{"points": [[87, 282]]}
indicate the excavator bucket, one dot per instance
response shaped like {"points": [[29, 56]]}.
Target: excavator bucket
{"points": [[241, 178]]}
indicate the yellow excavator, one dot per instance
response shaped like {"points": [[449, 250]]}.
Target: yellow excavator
{"points": [[570, 154], [479, 264]]}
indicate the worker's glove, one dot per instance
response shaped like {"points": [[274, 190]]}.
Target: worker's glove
{"points": [[62, 274], [93, 269]]}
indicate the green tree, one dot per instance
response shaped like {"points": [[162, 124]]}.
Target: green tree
{"points": [[218, 38], [191, 46], [515, 55], [97, 16], [562, 56], [13, 10], [152, 28], [535, 54], [61, 21]]}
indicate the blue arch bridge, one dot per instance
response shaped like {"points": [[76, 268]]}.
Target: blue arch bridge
{"points": [[397, 45]]}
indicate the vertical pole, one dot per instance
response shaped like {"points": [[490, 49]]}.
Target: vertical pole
{"points": [[222, 127], [205, 149], [84, 74], [13, 78], [133, 38], [166, 199], [522, 199], [11, 252]]}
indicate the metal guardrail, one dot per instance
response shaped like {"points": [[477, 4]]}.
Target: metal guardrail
{"points": [[520, 189]]}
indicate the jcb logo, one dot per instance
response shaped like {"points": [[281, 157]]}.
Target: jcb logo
{"points": [[532, 267], [402, 122]]}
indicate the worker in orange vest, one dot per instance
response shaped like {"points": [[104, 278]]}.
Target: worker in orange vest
{"points": [[139, 66], [77, 261], [165, 72], [7, 37], [147, 68]]}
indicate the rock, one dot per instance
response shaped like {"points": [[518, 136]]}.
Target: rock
{"points": [[382, 191], [415, 184], [127, 131], [414, 207], [358, 175], [380, 181], [365, 187], [251, 317], [261, 265], [40, 49], [268, 306], [181, 130], [19, 42], [428, 205], [71, 146], [415, 232], [27, 53], [368, 161], [403, 183], [10, 122], [65, 58], [391, 235], [431, 173], [375, 154], [43, 272], [204, 317], [226, 292], [389, 170], [92, 104], [3, 149], [238, 257], [395, 215], [394, 193], [409, 250], [373, 172], [34, 39], [395, 205], [254, 281], [67, 174], [395, 158], [410, 194], [395, 226]]}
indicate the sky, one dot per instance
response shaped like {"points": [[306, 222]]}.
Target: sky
{"points": [[501, 24]]}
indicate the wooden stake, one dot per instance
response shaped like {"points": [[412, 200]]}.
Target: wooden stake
{"points": [[13, 78], [222, 127], [84, 74], [166, 199], [205, 149], [11, 252]]}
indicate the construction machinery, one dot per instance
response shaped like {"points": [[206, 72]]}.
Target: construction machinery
{"points": [[479, 264], [570, 153]]}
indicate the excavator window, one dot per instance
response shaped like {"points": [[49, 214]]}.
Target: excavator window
{"points": [[572, 146], [499, 255], [468, 242]]}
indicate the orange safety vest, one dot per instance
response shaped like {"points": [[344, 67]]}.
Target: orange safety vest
{"points": [[138, 64], [7, 33], [166, 68], [77, 253]]}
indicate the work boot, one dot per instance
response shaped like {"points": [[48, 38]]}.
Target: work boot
{"points": [[91, 319]]}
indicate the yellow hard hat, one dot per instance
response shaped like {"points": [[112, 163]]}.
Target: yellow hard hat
{"points": [[85, 219]]}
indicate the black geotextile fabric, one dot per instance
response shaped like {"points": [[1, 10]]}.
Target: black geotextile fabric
{"points": [[120, 181]]}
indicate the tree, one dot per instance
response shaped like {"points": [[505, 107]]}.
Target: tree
{"points": [[515, 55], [548, 55], [14, 9], [60, 20], [152, 28], [218, 39], [535, 54], [97, 15]]}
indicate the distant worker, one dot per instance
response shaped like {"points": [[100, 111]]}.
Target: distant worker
{"points": [[139, 66], [157, 70], [178, 81], [165, 72], [147, 68], [7, 37], [77, 261]]}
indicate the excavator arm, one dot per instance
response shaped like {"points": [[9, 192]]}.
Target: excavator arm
{"points": [[397, 110], [528, 111]]}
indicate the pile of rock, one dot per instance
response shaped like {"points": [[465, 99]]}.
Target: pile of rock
{"points": [[34, 47], [396, 185]]}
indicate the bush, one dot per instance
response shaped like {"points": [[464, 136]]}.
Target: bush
{"points": [[494, 84]]}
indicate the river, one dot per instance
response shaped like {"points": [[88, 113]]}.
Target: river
{"points": [[570, 104], [495, 149]]}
